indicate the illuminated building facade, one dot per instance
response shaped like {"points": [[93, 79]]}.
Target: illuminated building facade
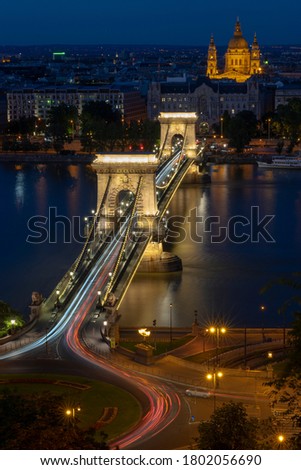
{"points": [[241, 61], [208, 98], [29, 102]]}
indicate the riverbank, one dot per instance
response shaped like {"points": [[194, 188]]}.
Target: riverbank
{"points": [[40, 158]]}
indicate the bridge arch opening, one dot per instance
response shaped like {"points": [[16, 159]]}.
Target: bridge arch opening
{"points": [[177, 142], [124, 199]]}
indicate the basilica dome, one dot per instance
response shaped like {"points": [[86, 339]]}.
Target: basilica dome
{"points": [[238, 41]]}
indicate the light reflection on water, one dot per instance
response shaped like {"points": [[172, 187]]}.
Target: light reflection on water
{"points": [[223, 280], [218, 279]]}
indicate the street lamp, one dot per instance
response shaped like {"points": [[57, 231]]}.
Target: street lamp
{"points": [[170, 322], [57, 303], [154, 330], [222, 127], [70, 412], [218, 331], [262, 309], [99, 299], [280, 437], [72, 128], [105, 324], [214, 376]]}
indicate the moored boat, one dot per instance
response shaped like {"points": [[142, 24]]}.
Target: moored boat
{"points": [[281, 162]]}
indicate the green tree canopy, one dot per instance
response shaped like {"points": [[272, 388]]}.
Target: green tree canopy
{"points": [[23, 126], [229, 428], [289, 116], [40, 422], [101, 126], [241, 129], [10, 319], [62, 120]]}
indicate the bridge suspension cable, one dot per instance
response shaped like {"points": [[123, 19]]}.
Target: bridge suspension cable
{"points": [[165, 139], [164, 186], [90, 233], [93, 225], [125, 239]]}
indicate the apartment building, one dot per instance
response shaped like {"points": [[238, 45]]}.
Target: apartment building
{"points": [[37, 101]]}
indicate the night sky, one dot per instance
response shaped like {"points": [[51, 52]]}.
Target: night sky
{"points": [[170, 22]]}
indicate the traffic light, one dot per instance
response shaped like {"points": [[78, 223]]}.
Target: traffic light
{"points": [[154, 322]]}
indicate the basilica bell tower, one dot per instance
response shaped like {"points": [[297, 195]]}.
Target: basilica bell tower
{"points": [[255, 57], [212, 59]]}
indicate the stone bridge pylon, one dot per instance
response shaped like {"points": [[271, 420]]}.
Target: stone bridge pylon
{"points": [[121, 178], [118, 179], [178, 124]]}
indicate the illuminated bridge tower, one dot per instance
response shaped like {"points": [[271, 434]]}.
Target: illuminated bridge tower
{"points": [[175, 125], [121, 179], [180, 126], [118, 178]]}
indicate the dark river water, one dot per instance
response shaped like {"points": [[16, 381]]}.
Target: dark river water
{"points": [[233, 236]]}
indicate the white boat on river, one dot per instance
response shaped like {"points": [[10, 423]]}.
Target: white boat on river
{"points": [[292, 163]]}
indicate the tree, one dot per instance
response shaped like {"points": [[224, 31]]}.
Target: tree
{"points": [[289, 116], [241, 129], [279, 147], [292, 282], [40, 422], [22, 126], [150, 134], [101, 126], [10, 319], [61, 120], [228, 428]]}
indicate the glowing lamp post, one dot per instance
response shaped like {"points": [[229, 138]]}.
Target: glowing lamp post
{"points": [[281, 441], [217, 331], [214, 376], [57, 303], [71, 412], [105, 324], [262, 309]]}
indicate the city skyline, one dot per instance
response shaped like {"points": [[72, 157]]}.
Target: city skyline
{"points": [[148, 22]]}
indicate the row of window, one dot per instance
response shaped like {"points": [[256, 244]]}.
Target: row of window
{"points": [[238, 62]]}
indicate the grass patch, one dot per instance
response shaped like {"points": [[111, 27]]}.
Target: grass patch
{"points": [[93, 396]]}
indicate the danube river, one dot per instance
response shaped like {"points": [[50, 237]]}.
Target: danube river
{"points": [[234, 236]]}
